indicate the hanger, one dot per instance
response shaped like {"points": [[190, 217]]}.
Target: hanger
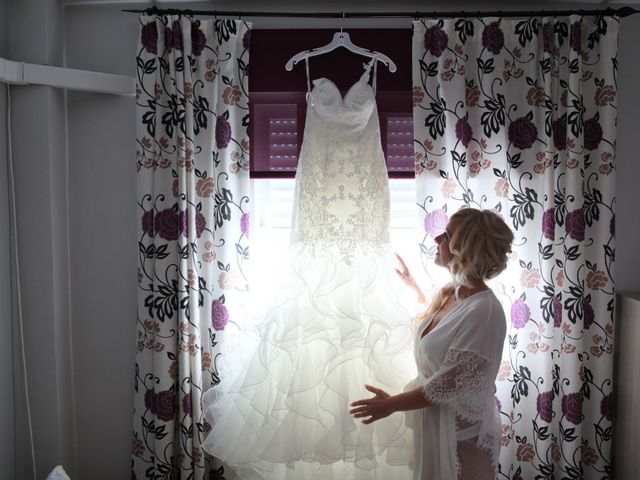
{"points": [[341, 39]]}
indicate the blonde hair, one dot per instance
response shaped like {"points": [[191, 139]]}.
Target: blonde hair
{"points": [[480, 243]]}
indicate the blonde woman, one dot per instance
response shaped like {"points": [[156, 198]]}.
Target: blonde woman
{"points": [[458, 346]]}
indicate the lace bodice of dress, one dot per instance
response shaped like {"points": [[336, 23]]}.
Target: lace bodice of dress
{"points": [[342, 193]]}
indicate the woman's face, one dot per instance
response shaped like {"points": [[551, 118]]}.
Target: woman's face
{"points": [[444, 255]]}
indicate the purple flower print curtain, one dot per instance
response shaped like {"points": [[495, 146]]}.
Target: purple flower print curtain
{"points": [[193, 194], [519, 116]]}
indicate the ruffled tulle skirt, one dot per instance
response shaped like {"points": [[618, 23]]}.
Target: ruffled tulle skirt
{"points": [[289, 375]]}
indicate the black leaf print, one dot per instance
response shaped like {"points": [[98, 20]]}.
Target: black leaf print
{"points": [[574, 305], [464, 27], [601, 29], [224, 29], [179, 64], [222, 210], [175, 116], [514, 160], [555, 374], [591, 209], [569, 435], [461, 160], [430, 70], [523, 208], [437, 121], [494, 118], [200, 109], [166, 300], [486, 67], [526, 30], [542, 433], [545, 65], [149, 118]]}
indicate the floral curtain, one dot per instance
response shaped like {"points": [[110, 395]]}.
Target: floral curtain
{"points": [[193, 194], [519, 116]]}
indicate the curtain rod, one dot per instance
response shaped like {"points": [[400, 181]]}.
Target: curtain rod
{"points": [[620, 12]]}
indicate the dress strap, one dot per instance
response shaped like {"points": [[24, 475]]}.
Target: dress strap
{"points": [[367, 71], [306, 61], [375, 74]]}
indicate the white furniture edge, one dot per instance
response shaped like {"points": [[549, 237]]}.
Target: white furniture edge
{"points": [[20, 73]]}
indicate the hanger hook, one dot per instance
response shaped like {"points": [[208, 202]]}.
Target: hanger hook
{"points": [[342, 24]]}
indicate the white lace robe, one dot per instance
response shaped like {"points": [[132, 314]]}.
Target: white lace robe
{"points": [[459, 435]]}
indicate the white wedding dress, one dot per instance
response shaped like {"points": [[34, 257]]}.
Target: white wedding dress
{"points": [[334, 324]]}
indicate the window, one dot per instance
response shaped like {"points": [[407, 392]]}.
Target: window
{"points": [[278, 103], [278, 109]]}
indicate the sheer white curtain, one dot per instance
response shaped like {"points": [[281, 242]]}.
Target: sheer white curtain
{"points": [[193, 195], [519, 116]]}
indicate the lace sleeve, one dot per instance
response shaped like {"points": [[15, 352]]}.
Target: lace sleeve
{"points": [[463, 374]]}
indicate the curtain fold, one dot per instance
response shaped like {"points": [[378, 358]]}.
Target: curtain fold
{"points": [[192, 114], [519, 116]]}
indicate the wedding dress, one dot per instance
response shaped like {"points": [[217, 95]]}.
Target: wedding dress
{"points": [[335, 323]]}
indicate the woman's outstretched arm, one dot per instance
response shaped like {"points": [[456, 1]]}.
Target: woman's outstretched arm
{"points": [[405, 275], [382, 404]]}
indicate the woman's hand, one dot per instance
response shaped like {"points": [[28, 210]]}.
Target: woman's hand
{"points": [[374, 408], [405, 275]]}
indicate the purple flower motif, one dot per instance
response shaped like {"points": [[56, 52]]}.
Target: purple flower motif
{"points": [[201, 223], [244, 224], [522, 133], [463, 131], [549, 224], [498, 403], [592, 133], [435, 40], [589, 315], [572, 407], [186, 404], [559, 128], [575, 37], [606, 407], [166, 224], [219, 314], [557, 311], [147, 223], [149, 37], [435, 222], [574, 223], [544, 404], [493, 38], [246, 40], [520, 314], [547, 36], [165, 405], [150, 400], [223, 132], [173, 36], [198, 39]]}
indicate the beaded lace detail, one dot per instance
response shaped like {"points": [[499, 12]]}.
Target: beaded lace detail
{"points": [[462, 383], [342, 192]]}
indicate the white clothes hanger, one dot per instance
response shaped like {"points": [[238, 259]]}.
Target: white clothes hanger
{"points": [[341, 39]]}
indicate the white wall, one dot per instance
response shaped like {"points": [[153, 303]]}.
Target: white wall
{"points": [[102, 213], [39, 149], [628, 159], [78, 221], [7, 451]]}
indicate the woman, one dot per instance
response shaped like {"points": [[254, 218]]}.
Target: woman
{"points": [[458, 347]]}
